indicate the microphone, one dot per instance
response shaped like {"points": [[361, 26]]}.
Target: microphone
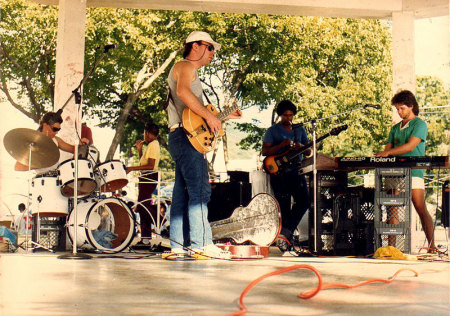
{"points": [[296, 125], [375, 106], [106, 48]]}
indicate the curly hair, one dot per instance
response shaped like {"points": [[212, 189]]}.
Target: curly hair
{"points": [[284, 106], [407, 98]]}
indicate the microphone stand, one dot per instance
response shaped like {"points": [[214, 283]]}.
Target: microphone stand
{"points": [[77, 94], [313, 123]]}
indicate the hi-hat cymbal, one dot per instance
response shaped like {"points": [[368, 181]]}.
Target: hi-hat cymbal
{"points": [[44, 152]]}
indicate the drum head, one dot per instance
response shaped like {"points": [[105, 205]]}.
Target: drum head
{"points": [[114, 185], [106, 225], [85, 187]]}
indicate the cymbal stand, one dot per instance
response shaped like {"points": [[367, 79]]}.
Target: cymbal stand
{"points": [[38, 221], [76, 93], [314, 128]]}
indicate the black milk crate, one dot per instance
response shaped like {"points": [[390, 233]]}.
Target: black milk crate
{"points": [[330, 184], [353, 222], [392, 186], [51, 232]]}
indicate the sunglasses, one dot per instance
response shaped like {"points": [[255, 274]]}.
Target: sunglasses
{"points": [[210, 46], [55, 129]]}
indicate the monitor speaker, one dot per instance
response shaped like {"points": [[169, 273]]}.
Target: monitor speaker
{"points": [[226, 197]]}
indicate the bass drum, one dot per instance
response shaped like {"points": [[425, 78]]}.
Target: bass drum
{"points": [[106, 225]]}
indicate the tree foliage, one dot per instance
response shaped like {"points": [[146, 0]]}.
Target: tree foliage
{"points": [[326, 66]]}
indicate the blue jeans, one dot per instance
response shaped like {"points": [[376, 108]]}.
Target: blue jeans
{"points": [[189, 224]]}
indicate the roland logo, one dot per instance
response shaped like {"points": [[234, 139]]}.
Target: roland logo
{"points": [[382, 159]]}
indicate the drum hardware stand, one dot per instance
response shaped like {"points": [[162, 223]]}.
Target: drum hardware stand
{"points": [[314, 127], [76, 93], [27, 219]]}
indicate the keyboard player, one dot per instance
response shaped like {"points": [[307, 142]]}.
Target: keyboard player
{"points": [[407, 138]]}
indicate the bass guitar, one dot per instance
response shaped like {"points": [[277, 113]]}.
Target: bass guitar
{"points": [[277, 164], [259, 222], [198, 132]]}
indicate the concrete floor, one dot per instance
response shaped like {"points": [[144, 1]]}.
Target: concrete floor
{"points": [[145, 284]]}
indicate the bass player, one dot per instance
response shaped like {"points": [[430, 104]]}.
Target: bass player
{"points": [[281, 138]]}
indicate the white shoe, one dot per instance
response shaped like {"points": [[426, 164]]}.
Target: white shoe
{"points": [[174, 253], [210, 252]]}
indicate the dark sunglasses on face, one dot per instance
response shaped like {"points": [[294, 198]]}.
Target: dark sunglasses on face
{"points": [[210, 46], [55, 129]]}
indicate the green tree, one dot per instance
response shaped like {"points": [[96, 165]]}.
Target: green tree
{"points": [[434, 105], [324, 65]]}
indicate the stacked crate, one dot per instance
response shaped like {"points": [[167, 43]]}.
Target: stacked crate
{"points": [[330, 185], [52, 233], [393, 208], [353, 215]]}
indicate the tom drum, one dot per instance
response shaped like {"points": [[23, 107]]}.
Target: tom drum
{"points": [[111, 175], [46, 197], [86, 180]]}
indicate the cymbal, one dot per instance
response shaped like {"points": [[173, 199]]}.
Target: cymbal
{"points": [[44, 152]]}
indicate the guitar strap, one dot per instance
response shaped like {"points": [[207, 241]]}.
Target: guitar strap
{"points": [[207, 99], [169, 98]]}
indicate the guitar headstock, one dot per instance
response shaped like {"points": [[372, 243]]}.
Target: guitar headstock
{"points": [[335, 131]]}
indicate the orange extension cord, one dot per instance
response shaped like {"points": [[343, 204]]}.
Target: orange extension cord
{"points": [[311, 293]]}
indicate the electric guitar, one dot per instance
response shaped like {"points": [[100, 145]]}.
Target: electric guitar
{"points": [[259, 222], [277, 164], [198, 132]]}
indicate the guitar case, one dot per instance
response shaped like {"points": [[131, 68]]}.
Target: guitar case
{"points": [[258, 223]]}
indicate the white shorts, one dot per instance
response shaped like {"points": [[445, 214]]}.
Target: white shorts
{"points": [[417, 183]]}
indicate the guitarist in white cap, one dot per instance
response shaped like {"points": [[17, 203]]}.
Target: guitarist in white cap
{"points": [[189, 226]]}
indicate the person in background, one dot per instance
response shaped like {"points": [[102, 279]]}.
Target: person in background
{"points": [[148, 164]]}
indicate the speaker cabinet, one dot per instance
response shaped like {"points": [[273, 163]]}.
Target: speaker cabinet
{"points": [[445, 218], [226, 197]]}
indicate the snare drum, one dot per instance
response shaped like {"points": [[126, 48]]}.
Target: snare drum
{"points": [[86, 181], [46, 197], [111, 175], [105, 225]]}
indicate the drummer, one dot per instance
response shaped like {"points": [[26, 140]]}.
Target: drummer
{"points": [[50, 125]]}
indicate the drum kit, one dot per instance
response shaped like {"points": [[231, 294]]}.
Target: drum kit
{"points": [[103, 224]]}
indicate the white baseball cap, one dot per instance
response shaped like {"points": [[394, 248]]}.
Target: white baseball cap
{"points": [[202, 36]]}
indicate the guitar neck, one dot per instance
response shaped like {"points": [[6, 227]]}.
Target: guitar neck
{"points": [[222, 115], [306, 146]]}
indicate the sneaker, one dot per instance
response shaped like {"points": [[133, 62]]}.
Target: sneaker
{"points": [[174, 254], [283, 244], [210, 252]]}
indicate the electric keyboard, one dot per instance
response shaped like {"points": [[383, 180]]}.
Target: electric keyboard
{"points": [[424, 162]]}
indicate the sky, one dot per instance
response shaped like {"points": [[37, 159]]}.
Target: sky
{"points": [[432, 50]]}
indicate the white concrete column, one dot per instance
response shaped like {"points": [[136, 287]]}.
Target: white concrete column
{"points": [[404, 73], [69, 63]]}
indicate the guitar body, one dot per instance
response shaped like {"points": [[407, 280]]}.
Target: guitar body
{"points": [[198, 131], [275, 164], [259, 222]]}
